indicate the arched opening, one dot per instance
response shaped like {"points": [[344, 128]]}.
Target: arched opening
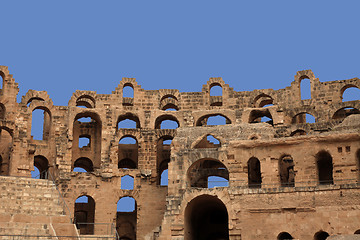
{"points": [[85, 101], [357, 231], [163, 159], [2, 111], [298, 132], [324, 167], [254, 173], [303, 118], [206, 218], [345, 112], [126, 217], [321, 235], [2, 77], [87, 131], [82, 164], [263, 100], [286, 170], [258, 116], [128, 91], [216, 90], [128, 152], [84, 214], [305, 88], [350, 93], [199, 172], [215, 181], [169, 103], [41, 166], [166, 122], [284, 236], [128, 121], [39, 99], [40, 124], [209, 141], [212, 120], [84, 141], [127, 182], [5, 151]]}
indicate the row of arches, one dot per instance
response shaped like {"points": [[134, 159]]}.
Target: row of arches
{"points": [[126, 216], [203, 171]]}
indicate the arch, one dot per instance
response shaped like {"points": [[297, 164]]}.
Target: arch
{"points": [[321, 235], [199, 172], [161, 122], [216, 89], [203, 121], [121, 123], [208, 141], [42, 164], [254, 173], [345, 112], [126, 217], [2, 79], [263, 100], [163, 152], [286, 171], [6, 143], [84, 141], [303, 117], [28, 103], [357, 231], [40, 123], [127, 182], [2, 111], [128, 90], [324, 165], [257, 116], [86, 101], [128, 152], [169, 102], [350, 92], [84, 214], [305, 87], [284, 236], [84, 163], [206, 218]]}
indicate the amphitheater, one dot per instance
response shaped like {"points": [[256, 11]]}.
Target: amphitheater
{"points": [[152, 164]]}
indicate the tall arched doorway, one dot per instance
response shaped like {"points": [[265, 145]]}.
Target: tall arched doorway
{"points": [[206, 218]]}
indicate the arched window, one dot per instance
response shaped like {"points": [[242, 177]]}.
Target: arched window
{"points": [[85, 101], [215, 181], [284, 236], [5, 151], [209, 141], [166, 122], [127, 182], [128, 91], [350, 94], [324, 167], [128, 152], [84, 214], [199, 172], [83, 164], [303, 118], [357, 231], [164, 178], [206, 217], [264, 115], [163, 159], [305, 88], [169, 103], [254, 173], [345, 112], [126, 217], [286, 170], [40, 125], [321, 235], [263, 100], [41, 166], [2, 77], [128, 121], [212, 120], [216, 90]]}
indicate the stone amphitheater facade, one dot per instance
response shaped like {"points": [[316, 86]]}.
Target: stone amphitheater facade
{"points": [[284, 178]]}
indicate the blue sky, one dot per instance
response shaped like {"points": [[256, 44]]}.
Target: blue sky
{"points": [[90, 45]]}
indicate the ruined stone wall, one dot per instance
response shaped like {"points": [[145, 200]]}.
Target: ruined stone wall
{"points": [[280, 173]]}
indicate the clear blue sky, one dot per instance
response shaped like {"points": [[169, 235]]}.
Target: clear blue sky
{"points": [[61, 46]]}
